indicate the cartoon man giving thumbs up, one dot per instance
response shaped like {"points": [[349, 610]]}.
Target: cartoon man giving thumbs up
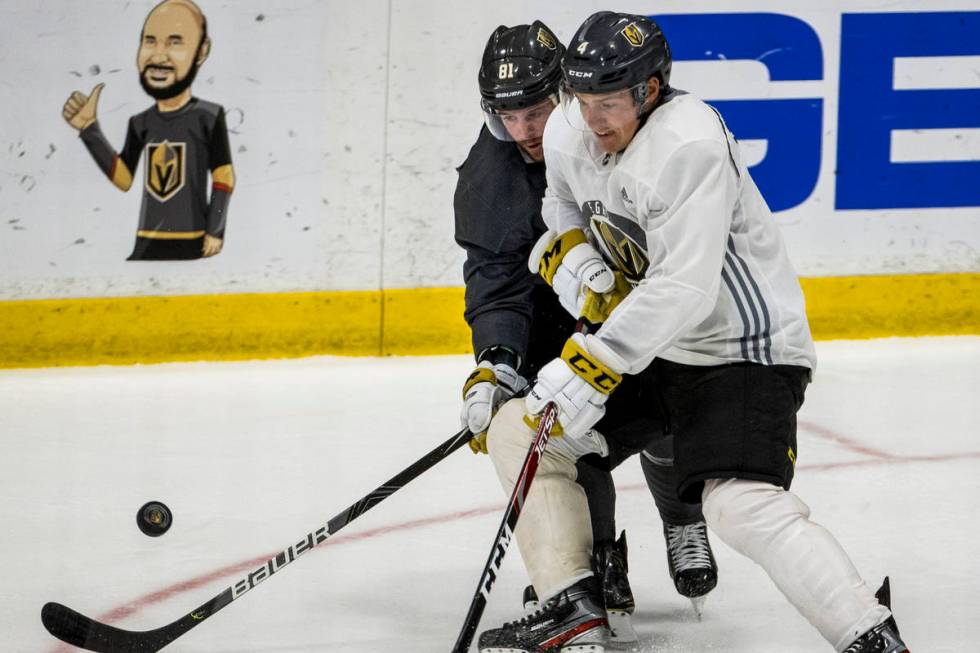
{"points": [[182, 137]]}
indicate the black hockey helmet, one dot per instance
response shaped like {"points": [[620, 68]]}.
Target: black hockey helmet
{"points": [[521, 67], [613, 51]]}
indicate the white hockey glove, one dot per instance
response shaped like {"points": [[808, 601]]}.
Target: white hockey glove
{"points": [[597, 307], [570, 265], [579, 383], [488, 386]]}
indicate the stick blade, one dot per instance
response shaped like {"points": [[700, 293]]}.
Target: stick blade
{"points": [[66, 624], [78, 630]]}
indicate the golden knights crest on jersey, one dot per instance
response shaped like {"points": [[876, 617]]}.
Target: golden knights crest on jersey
{"points": [[166, 165], [622, 241]]}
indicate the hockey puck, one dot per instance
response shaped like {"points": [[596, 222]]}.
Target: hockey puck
{"points": [[154, 518]]}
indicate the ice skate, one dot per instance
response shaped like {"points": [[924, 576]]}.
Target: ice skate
{"points": [[530, 599], [611, 567], [574, 621], [691, 563], [884, 637]]}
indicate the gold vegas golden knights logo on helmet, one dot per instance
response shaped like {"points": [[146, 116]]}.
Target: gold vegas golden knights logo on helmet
{"points": [[633, 35], [166, 163], [547, 39]]}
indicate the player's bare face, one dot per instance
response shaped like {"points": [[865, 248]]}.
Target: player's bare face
{"points": [[612, 117], [169, 44], [526, 126]]}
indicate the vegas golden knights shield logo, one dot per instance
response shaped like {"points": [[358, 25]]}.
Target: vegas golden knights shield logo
{"points": [[546, 39], [633, 35], [626, 253], [166, 163]]}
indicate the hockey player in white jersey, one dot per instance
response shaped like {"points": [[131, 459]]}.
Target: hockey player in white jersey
{"points": [[716, 316], [518, 323]]}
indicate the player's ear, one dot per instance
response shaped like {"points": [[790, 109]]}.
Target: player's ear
{"points": [[204, 51], [653, 90]]}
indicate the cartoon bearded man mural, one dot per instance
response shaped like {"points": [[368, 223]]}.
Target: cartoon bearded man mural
{"points": [[181, 138]]}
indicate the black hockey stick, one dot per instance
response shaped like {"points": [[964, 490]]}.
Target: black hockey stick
{"points": [[77, 629], [506, 530]]}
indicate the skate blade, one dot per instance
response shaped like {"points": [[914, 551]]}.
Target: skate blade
{"points": [[698, 604], [571, 648], [621, 628]]}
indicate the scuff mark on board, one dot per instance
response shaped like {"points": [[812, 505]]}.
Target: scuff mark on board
{"points": [[234, 118]]}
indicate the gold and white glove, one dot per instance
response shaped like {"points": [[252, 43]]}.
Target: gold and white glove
{"points": [[488, 386], [597, 307], [579, 383], [571, 266]]}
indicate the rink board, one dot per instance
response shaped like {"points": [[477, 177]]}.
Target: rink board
{"points": [[427, 321]]}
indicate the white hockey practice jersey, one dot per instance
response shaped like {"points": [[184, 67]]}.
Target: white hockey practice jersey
{"points": [[679, 215]]}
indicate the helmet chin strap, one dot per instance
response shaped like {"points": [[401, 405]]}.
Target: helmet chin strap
{"points": [[641, 93]]}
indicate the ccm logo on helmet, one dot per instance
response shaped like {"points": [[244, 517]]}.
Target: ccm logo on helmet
{"points": [[579, 73]]}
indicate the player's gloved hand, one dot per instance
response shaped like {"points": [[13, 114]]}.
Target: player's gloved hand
{"points": [[579, 383], [570, 265], [597, 306], [488, 386]]}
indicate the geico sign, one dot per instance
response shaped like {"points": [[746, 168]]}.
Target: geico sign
{"points": [[870, 107]]}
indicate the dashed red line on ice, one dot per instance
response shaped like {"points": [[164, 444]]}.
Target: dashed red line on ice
{"points": [[875, 457]]}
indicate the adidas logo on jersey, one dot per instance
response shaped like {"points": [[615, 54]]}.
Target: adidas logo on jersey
{"points": [[626, 198]]}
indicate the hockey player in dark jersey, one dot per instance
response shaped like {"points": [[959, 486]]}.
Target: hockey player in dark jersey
{"points": [[181, 138], [518, 323]]}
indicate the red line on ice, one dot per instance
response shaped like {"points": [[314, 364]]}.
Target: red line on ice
{"points": [[135, 605], [127, 609], [848, 443]]}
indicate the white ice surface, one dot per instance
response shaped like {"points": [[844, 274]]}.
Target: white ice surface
{"points": [[252, 456]]}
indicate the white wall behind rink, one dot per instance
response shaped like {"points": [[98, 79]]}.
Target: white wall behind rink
{"points": [[348, 120]]}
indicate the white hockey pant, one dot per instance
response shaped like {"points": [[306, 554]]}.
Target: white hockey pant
{"points": [[554, 532], [772, 528]]}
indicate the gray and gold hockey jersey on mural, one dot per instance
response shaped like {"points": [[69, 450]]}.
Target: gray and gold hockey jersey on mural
{"points": [[678, 213], [178, 148]]}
